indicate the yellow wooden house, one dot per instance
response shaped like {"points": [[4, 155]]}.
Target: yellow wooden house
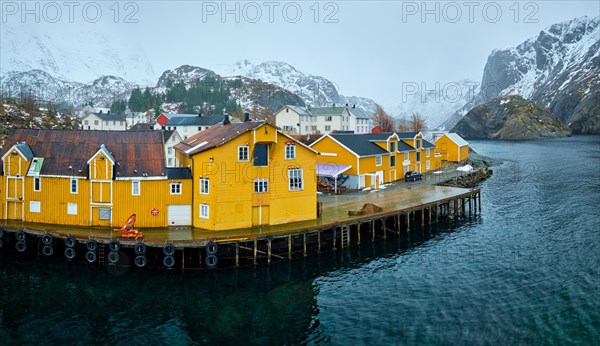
{"points": [[249, 174], [91, 178], [452, 147], [425, 157]]}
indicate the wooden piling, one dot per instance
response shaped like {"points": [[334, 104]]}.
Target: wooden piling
{"points": [[398, 227], [358, 233], [289, 246], [408, 222], [237, 253], [479, 194], [422, 217], [334, 235], [255, 249], [455, 208], [304, 243], [372, 230], [319, 241], [269, 250], [384, 227]]}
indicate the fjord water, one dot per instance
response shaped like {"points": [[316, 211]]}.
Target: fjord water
{"points": [[527, 271]]}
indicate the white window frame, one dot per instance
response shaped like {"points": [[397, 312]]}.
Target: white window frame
{"points": [[378, 160], [101, 210], [406, 157], [247, 153], [427, 164], [135, 183], [204, 186], [290, 151], [327, 128], [37, 181], [261, 185], [175, 188], [427, 152], [393, 160], [392, 147], [71, 208], [204, 211], [35, 206], [293, 175], [76, 186]]}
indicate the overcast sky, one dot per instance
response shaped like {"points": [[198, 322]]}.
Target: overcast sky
{"points": [[366, 48]]}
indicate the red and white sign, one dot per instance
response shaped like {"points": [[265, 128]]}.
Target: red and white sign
{"points": [[154, 211]]}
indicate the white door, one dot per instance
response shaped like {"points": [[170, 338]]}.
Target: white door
{"points": [[180, 215]]}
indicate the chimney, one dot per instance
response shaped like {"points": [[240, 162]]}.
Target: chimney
{"points": [[109, 112], [333, 105], [226, 119], [346, 105], [200, 113], [353, 106], [246, 117], [101, 111]]}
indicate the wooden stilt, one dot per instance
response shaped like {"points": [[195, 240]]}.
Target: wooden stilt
{"points": [[464, 212], [373, 230], [430, 213], [199, 257], [289, 246], [304, 243], [269, 250], [334, 236], [358, 233], [437, 212], [408, 222], [255, 249], [183, 258], [422, 217], [398, 227], [384, 228], [479, 194], [237, 253], [455, 208], [319, 241]]}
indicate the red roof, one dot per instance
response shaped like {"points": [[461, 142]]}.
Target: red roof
{"points": [[133, 151]]}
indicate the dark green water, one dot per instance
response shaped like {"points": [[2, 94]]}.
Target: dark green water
{"points": [[526, 272]]}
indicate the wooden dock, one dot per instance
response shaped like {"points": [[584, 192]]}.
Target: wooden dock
{"points": [[402, 209]]}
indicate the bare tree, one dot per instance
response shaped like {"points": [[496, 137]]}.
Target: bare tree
{"points": [[417, 122], [383, 120], [403, 125]]}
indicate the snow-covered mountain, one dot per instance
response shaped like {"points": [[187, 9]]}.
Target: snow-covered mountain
{"points": [[43, 86], [558, 70], [314, 90], [72, 59]]}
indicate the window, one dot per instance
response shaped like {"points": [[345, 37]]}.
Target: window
{"points": [[306, 128], [37, 184], [104, 213], [327, 128], [392, 147], [204, 211], [199, 128], [106, 122], [313, 128], [243, 153], [95, 122], [427, 153], [135, 187], [418, 156], [114, 123], [288, 128], [169, 162], [86, 122], [74, 185], [328, 118], [418, 142], [185, 129], [169, 150], [72, 208], [406, 157], [290, 151], [34, 207], [393, 161], [175, 188], [295, 179], [204, 186], [427, 164], [261, 155], [378, 160], [261, 185]]}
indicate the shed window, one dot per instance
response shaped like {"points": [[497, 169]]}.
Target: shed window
{"points": [[243, 153], [261, 155], [290, 151], [34, 207], [37, 184], [104, 213], [393, 161], [427, 164], [74, 185], [175, 188], [406, 156], [72, 208], [295, 179], [135, 187], [261, 185], [204, 186], [204, 210], [392, 147], [427, 153], [378, 160]]}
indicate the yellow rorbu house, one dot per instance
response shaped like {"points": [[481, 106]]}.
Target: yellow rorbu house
{"points": [[375, 158], [92, 178], [249, 174], [452, 147]]}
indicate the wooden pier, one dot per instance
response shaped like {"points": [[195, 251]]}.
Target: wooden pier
{"points": [[402, 211]]}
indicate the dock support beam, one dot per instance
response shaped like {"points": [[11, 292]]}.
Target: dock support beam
{"points": [[269, 250], [289, 246], [334, 235], [398, 225], [319, 241], [237, 253], [422, 217], [255, 249], [408, 222], [304, 243], [358, 233]]}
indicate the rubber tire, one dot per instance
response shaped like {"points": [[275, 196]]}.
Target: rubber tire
{"points": [[114, 246], [91, 245], [47, 250], [169, 262], [211, 261], [70, 253], [70, 241], [47, 239], [90, 256], [140, 261], [21, 246], [169, 250], [21, 236], [113, 257], [140, 249], [212, 248]]}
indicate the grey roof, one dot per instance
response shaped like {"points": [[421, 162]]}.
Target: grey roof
{"points": [[359, 144], [427, 145], [109, 116], [404, 147], [359, 113], [179, 173], [25, 150], [205, 120], [300, 110], [457, 139], [406, 135], [378, 137], [326, 110]]}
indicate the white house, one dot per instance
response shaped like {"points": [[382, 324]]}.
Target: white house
{"points": [[188, 125], [170, 139], [103, 121], [134, 118], [307, 120]]}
